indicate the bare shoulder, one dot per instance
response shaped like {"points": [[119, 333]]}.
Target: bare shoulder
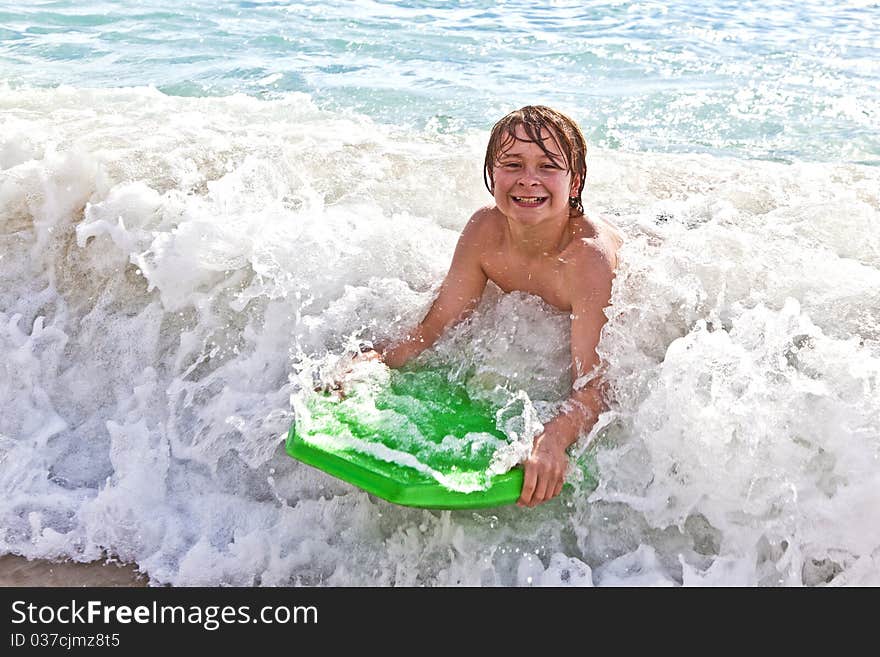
{"points": [[594, 245], [608, 226], [485, 227], [488, 218]]}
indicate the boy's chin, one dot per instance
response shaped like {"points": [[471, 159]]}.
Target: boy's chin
{"points": [[529, 217]]}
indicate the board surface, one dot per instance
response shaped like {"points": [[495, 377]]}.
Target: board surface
{"points": [[414, 439]]}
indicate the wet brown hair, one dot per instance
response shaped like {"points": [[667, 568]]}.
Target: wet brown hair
{"points": [[534, 119]]}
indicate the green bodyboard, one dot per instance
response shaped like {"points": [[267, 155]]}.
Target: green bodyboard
{"points": [[444, 438]]}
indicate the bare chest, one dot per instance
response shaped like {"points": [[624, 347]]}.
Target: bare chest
{"points": [[545, 279]]}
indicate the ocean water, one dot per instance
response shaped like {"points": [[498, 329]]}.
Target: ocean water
{"points": [[200, 203]]}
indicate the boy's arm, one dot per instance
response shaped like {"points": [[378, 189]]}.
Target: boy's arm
{"points": [[545, 468], [459, 294]]}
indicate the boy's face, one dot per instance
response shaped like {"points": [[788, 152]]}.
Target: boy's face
{"points": [[530, 187]]}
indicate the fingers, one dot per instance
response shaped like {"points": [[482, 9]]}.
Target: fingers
{"points": [[544, 469], [331, 388], [365, 347], [540, 494], [364, 350], [539, 487], [529, 480]]}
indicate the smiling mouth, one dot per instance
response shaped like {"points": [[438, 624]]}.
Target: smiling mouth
{"points": [[529, 201]]}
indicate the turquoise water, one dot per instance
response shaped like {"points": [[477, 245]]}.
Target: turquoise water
{"points": [[777, 80], [203, 203]]}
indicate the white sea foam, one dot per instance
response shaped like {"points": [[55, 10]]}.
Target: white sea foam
{"points": [[167, 263]]}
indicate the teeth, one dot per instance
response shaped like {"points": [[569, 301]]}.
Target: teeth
{"points": [[528, 199]]}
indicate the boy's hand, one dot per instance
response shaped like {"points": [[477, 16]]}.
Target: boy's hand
{"points": [[545, 468], [336, 386]]}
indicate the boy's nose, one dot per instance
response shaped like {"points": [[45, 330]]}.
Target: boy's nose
{"points": [[528, 178]]}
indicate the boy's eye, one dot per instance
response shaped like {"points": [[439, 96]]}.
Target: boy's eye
{"points": [[516, 165]]}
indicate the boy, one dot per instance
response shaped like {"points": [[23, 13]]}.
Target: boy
{"points": [[535, 239]]}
